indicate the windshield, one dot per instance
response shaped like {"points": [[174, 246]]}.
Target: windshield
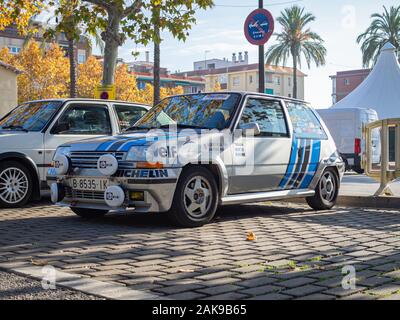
{"points": [[209, 111], [30, 116]]}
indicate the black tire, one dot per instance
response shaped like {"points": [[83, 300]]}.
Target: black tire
{"points": [[89, 213], [325, 202], [22, 182], [179, 213]]}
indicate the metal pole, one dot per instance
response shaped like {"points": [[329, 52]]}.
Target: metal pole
{"points": [[261, 59]]}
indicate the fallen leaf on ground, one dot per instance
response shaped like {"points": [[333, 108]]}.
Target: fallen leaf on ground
{"points": [[251, 236]]}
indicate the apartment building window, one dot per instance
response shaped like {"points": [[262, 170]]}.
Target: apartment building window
{"points": [[268, 78], [289, 81], [14, 49], [278, 81], [250, 79], [236, 81], [346, 82]]}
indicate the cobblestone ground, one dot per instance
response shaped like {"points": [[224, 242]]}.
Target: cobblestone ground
{"points": [[298, 254]]}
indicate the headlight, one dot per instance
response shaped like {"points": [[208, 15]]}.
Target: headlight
{"points": [[138, 154], [63, 151]]}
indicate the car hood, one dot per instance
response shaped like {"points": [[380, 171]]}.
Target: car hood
{"points": [[14, 140], [123, 142]]}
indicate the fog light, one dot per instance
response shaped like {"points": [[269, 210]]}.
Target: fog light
{"points": [[136, 195], [61, 164], [114, 196], [57, 192]]}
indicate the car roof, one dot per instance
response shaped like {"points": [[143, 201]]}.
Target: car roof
{"points": [[63, 100], [247, 93]]}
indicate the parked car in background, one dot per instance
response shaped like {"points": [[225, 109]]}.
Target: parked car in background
{"points": [[191, 153], [345, 126], [30, 134]]}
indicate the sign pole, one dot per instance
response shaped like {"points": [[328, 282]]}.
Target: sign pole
{"points": [[261, 59]]}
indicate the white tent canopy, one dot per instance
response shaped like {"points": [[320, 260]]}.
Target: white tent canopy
{"points": [[381, 89]]}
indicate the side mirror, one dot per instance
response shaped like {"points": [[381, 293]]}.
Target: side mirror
{"points": [[61, 127], [251, 128]]}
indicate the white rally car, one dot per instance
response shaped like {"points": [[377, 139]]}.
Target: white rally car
{"points": [[30, 134], [192, 153]]}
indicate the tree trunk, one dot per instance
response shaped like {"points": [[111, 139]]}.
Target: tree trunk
{"points": [[156, 73], [157, 53], [113, 39], [294, 75], [72, 68]]}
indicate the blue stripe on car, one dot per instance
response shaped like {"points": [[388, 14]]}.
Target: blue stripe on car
{"points": [[312, 168], [292, 163], [298, 165]]}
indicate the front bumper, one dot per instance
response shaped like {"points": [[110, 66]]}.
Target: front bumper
{"points": [[158, 189]]}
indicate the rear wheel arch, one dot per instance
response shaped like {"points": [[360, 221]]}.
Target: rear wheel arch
{"points": [[30, 165]]}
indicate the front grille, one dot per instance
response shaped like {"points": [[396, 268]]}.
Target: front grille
{"points": [[87, 195], [88, 160]]}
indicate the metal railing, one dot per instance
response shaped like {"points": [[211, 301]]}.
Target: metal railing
{"points": [[383, 166]]}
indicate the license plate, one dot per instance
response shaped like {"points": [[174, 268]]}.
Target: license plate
{"points": [[91, 184]]}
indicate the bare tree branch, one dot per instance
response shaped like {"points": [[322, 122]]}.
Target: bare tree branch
{"points": [[101, 3], [135, 7]]}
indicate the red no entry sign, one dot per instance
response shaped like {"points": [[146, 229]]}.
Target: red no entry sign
{"points": [[259, 27]]}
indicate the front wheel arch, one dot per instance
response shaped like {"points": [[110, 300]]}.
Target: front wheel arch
{"points": [[30, 165]]}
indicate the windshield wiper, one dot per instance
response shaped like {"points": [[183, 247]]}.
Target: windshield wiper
{"points": [[13, 127]]}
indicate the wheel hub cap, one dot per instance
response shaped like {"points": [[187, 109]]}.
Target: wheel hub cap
{"points": [[197, 197], [13, 185]]}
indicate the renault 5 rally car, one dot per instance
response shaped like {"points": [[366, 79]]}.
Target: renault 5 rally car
{"points": [[192, 153]]}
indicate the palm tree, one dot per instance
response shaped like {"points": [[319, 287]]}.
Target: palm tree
{"points": [[384, 28], [296, 40]]}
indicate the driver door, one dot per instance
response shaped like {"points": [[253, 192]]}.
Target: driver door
{"points": [[266, 154], [78, 121]]}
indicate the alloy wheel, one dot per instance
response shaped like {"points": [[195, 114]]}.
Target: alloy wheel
{"points": [[14, 185]]}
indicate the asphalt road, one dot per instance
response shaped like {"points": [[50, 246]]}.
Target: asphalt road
{"points": [[14, 287]]}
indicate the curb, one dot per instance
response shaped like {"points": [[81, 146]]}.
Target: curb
{"points": [[363, 202], [82, 284], [370, 202]]}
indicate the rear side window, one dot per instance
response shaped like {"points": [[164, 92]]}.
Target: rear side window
{"points": [[306, 125], [128, 115]]}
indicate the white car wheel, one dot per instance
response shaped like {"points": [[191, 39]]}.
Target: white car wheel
{"points": [[15, 185]]}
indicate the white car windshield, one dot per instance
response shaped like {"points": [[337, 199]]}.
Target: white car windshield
{"points": [[31, 116], [209, 111]]}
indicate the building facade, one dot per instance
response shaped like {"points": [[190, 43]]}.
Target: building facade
{"points": [[278, 80], [11, 39], [144, 72], [211, 64], [344, 82], [8, 87]]}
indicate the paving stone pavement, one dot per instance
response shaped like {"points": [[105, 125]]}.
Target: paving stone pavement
{"points": [[298, 253]]}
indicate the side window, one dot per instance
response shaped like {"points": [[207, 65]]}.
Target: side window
{"points": [[268, 114], [306, 125], [84, 119], [128, 115]]}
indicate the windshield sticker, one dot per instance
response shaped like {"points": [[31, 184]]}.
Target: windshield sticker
{"points": [[216, 97]]}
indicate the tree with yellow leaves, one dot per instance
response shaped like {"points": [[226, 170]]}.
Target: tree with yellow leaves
{"points": [[217, 87], [45, 73], [89, 77]]}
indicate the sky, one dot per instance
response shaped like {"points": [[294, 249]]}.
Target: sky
{"points": [[220, 32]]}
